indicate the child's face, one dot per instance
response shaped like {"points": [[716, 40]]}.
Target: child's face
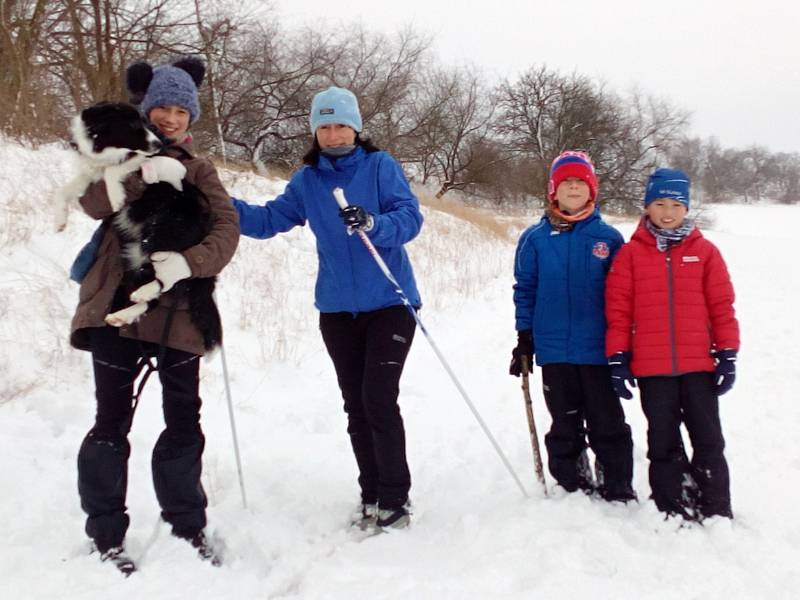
{"points": [[665, 213], [572, 194], [172, 121]]}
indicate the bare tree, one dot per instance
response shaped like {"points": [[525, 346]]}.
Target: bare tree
{"points": [[646, 129], [22, 23], [382, 72], [451, 141], [91, 42], [785, 182], [266, 84], [544, 113]]}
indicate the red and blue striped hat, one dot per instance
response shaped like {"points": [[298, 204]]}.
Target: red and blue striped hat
{"points": [[572, 163]]}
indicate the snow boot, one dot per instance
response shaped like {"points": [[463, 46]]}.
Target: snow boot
{"points": [[393, 518], [365, 516], [205, 549], [117, 557]]}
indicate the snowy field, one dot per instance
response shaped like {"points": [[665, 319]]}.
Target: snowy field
{"points": [[473, 535]]}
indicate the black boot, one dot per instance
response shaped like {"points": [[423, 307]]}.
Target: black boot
{"points": [[205, 549]]}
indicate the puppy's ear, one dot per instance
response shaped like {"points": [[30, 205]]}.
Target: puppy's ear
{"points": [[194, 67], [138, 78]]}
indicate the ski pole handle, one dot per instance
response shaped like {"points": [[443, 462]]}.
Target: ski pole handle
{"points": [[338, 193]]}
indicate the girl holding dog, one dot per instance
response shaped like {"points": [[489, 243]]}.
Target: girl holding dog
{"points": [[366, 328], [169, 100]]}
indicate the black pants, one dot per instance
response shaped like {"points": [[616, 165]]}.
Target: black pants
{"points": [[696, 489], [176, 460], [582, 402], [368, 352]]}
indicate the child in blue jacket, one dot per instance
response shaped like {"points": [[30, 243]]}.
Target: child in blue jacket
{"points": [[365, 326], [560, 270]]}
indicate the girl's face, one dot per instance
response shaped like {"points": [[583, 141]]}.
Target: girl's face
{"points": [[172, 121], [666, 213], [572, 194], [334, 134]]}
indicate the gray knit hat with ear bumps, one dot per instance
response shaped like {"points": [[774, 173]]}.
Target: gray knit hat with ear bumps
{"points": [[167, 85]]}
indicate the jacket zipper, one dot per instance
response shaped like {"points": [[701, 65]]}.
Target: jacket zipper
{"points": [[670, 302], [569, 292]]}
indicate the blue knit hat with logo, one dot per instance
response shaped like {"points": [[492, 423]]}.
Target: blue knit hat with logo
{"points": [[167, 85], [335, 105], [671, 184]]}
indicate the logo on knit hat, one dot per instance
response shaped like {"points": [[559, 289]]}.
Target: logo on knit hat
{"points": [[326, 111]]}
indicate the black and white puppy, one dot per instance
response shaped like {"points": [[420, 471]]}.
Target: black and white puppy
{"points": [[166, 219], [112, 141]]}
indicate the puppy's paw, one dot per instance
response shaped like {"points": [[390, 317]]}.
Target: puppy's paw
{"points": [[164, 168], [149, 173], [126, 316], [147, 292]]}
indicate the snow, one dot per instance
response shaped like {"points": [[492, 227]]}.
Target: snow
{"points": [[473, 533]]}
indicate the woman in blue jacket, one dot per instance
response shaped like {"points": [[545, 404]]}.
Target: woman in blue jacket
{"points": [[365, 326], [560, 271]]}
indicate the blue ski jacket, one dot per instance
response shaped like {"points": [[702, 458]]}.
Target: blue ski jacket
{"points": [[348, 278], [559, 290]]}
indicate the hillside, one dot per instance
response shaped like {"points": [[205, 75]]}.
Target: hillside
{"points": [[473, 535]]}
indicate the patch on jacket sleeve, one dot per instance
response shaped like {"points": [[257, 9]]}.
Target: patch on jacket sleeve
{"points": [[691, 259], [601, 250]]}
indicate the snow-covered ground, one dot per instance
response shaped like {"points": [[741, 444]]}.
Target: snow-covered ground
{"points": [[473, 535]]}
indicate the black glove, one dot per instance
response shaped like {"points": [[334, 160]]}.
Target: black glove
{"points": [[355, 217], [725, 372], [524, 348], [621, 374]]}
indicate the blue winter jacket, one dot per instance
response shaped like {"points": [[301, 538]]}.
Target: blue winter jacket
{"points": [[559, 289], [348, 279]]}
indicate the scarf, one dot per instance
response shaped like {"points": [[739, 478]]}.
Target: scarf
{"points": [[669, 237], [338, 151], [563, 221]]}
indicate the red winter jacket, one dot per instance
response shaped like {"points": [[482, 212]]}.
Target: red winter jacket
{"points": [[669, 309]]}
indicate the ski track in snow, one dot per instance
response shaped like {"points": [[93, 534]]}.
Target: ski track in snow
{"points": [[473, 534]]}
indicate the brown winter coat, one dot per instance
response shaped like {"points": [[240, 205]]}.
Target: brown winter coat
{"points": [[205, 260]]}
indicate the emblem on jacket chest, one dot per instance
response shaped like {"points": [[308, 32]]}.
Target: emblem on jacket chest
{"points": [[601, 250]]}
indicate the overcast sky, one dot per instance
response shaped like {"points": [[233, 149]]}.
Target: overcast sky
{"points": [[734, 65]]}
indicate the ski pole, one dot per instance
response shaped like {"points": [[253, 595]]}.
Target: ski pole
{"points": [[233, 423], [338, 193], [537, 455]]}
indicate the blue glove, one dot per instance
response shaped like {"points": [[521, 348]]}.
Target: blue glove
{"points": [[355, 217], [621, 374], [725, 372]]}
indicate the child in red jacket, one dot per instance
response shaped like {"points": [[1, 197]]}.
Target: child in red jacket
{"points": [[671, 324]]}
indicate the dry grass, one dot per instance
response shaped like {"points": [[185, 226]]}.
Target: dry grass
{"points": [[489, 221]]}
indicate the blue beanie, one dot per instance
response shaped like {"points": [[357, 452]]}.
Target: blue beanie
{"points": [[172, 86], [335, 105], [668, 183]]}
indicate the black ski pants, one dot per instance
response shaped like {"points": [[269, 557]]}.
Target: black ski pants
{"points": [[368, 351], [582, 402], [176, 460], [700, 487]]}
